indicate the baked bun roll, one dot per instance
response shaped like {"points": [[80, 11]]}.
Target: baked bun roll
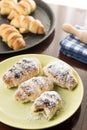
{"points": [[62, 74], [13, 8], [21, 71], [49, 102], [28, 24], [6, 6], [29, 90], [11, 36], [24, 7]]}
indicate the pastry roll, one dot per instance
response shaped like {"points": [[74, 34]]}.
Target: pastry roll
{"points": [[11, 36], [6, 6], [24, 7], [61, 73], [21, 71], [30, 6], [32, 88], [49, 102], [13, 8], [15, 1], [28, 24]]}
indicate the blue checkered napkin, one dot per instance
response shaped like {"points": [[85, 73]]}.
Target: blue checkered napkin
{"points": [[72, 47]]}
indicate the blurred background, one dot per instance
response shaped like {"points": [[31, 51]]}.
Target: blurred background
{"points": [[72, 3]]}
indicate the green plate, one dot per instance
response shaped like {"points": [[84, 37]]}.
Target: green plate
{"points": [[16, 114]]}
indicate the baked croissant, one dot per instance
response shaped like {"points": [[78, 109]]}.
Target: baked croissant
{"points": [[11, 36], [49, 102], [28, 24], [21, 71], [61, 74], [24, 7], [29, 90], [6, 6], [10, 0]]}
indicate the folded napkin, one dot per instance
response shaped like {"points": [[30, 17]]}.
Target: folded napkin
{"points": [[72, 47]]}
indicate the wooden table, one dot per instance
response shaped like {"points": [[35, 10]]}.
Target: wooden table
{"points": [[51, 47]]}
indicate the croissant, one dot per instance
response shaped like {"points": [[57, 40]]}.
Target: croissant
{"points": [[22, 70], [61, 74], [6, 6], [49, 102], [30, 4], [28, 24], [24, 7], [10, 0], [11, 37], [29, 90]]}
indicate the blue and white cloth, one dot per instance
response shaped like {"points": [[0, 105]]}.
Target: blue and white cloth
{"points": [[72, 47]]}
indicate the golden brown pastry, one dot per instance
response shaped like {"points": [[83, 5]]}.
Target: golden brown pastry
{"points": [[28, 24], [49, 102], [61, 74], [30, 5], [6, 6], [32, 88], [21, 71], [11, 36], [10, 0], [24, 7]]}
